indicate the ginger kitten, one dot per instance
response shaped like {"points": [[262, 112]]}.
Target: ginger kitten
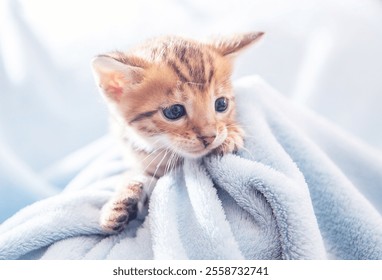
{"points": [[170, 98]]}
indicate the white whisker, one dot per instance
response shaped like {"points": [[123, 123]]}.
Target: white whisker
{"points": [[159, 165], [251, 155], [155, 157], [169, 163], [152, 152]]}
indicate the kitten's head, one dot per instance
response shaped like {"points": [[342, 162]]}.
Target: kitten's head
{"points": [[174, 93]]}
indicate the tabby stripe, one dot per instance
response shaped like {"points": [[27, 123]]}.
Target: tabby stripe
{"points": [[154, 53], [184, 60], [212, 68], [164, 51], [210, 75], [177, 71], [143, 116], [198, 72], [202, 74], [182, 52]]}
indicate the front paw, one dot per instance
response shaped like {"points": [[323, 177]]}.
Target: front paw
{"points": [[232, 143], [121, 208]]}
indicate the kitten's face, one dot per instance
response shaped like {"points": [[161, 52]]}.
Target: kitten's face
{"points": [[174, 93], [190, 118]]}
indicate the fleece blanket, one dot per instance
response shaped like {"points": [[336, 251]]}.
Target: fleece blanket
{"points": [[300, 189]]}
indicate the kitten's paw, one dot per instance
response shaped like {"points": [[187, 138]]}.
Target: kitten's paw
{"points": [[232, 143], [121, 209]]}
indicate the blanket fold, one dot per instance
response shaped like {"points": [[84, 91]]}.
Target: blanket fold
{"points": [[300, 189]]}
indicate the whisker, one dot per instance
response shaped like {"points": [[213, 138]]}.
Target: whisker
{"points": [[173, 164], [158, 165], [152, 152], [193, 83], [149, 164], [177, 134], [168, 163], [250, 154], [239, 125]]}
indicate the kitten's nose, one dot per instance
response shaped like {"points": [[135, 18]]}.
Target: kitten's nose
{"points": [[207, 140]]}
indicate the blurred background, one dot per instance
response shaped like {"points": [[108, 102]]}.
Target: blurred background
{"points": [[324, 54]]}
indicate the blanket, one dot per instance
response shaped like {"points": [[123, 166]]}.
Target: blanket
{"points": [[301, 188]]}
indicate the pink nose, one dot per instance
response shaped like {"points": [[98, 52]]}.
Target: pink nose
{"points": [[207, 140]]}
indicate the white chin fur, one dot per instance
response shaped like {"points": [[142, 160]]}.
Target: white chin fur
{"points": [[193, 155]]}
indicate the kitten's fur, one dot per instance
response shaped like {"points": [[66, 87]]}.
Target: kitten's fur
{"points": [[142, 86]]}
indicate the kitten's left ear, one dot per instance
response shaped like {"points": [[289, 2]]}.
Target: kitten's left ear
{"points": [[115, 77], [230, 46]]}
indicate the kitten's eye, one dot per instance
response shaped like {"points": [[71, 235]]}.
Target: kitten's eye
{"points": [[221, 104], [174, 112]]}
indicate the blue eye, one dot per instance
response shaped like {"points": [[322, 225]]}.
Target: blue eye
{"points": [[221, 104], [174, 112]]}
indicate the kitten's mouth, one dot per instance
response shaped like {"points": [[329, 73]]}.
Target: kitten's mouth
{"points": [[195, 149], [198, 153]]}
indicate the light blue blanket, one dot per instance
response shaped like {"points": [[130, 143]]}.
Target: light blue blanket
{"points": [[300, 189]]}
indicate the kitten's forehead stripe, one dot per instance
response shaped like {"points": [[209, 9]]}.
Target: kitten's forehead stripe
{"points": [[212, 68], [210, 75], [154, 53], [177, 71], [190, 61], [198, 70], [181, 53]]}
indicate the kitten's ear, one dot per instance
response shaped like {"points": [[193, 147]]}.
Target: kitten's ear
{"points": [[114, 77], [230, 46]]}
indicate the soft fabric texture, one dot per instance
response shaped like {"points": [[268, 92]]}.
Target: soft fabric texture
{"points": [[300, 189]]}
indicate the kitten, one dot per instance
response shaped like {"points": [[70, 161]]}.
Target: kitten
{"points": [[170, 98]]}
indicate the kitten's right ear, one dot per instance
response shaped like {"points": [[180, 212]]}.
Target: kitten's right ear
{"points": [[232, 45], [114, 77]]}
